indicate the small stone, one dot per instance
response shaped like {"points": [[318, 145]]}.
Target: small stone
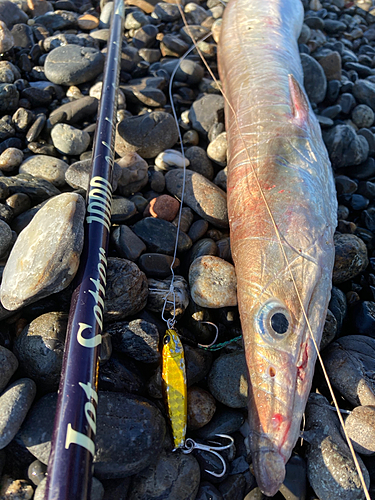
{"points": [[362, 318], [350, 257], [329, 331], [364, 92], [345, 147], [127, 244], [197, 230], [137, 339], [187, 217], [146, 135], [225, 421], [15, 402], [46, 167], [189, 72], [160, 236], [330, 467], [363, 116], [199, 161], [145, 36], [72, 64], [163, 207], [11, 14], [75, 111], [174, 475], [227, 380], [173, 46], [45, 257], [350, 363], [134, 174], [5, 237], [205, 112], [157, 181], [315, 81], [36, 472], [6, 38], [158, 290], [9, 364], [135, 20], [213, 282], [196, 31], [217, 149], [17, 489], [122, 209], [331, 65], [57, 20], [69, 140], [40, 349], [120, 374], [106, 14], [198, 364], [333, 27], [9, 97], [207, 491], [157, 265], [360, 427], [204, 246], [166, 12], [88, 22], [201, 195], [22, 118], [233, 487], [195, 14], [169, 159], [200, 407], [294, 485]]}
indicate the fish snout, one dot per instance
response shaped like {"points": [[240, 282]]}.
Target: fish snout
{"points": [[269, 468]]}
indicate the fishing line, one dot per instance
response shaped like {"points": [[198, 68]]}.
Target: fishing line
{"points": [[359, 470]]}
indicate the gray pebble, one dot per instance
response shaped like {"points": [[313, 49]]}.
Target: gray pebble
{"points": [[145, 36], [9, 97], [198, 229], [198, 364], [364, 92], [11, 14], [15, 402], [174, 475], [45, 167], [148, 135], [5, 237], [330, 467], [74, 111], [345, 147], [72, 64], [204, 246], [157, 265], [45, 257], [228, 380], [349, 362], [217, 149], [6, 38], [9, 364], [122, 209], [350, 257], [127, 244], [127, 289], [40, 349], [69, 140], [213, 282], [205, 112], [199, 162], [315, 81], [360, 425], [137, 339], [201, 195], [160, 236], [166, 12], [363, 116], [189, 72], [133, 174], [10, 159]]}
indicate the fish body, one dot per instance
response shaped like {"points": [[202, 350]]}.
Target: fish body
{"points": [[282, 213], [174, 386]]}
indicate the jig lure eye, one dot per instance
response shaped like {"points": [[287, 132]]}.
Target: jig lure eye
{"points": [[167, 339], [273, 320]]}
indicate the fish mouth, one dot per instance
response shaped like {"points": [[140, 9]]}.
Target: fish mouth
{"points": [[269, 468]]}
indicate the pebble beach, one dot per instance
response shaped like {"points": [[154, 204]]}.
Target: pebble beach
{"points": [[52, 56]]}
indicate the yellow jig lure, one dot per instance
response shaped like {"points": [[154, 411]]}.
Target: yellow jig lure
{"points": [[174, 386]]}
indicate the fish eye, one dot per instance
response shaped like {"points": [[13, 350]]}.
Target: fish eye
{"points": [[279, 323], [273, 320], [167, 339]]}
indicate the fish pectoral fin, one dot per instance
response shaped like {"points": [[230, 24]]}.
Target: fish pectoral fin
{"points": [[299, 103]]}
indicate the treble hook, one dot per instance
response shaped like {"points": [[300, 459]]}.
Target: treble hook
{"points": [[191, 445], [215, 339]]}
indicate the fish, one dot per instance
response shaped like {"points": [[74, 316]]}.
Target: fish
{"points": [[282, 213], [175, 386]]}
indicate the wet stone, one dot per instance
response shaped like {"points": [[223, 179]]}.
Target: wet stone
{"points": [[15, 402], [160, 235], [45, 167], [9, 364], [330, 467], [36, 472], [349, 362], [198, 229], [200, 407], [201, 195], [158, 289], [315, 81], [213, 282], [57, 20], [174, 475], [45, 257], [138, 339], [157, 265], [345, 147], [72, 64], [36, 128], [122, 209], [205, 112], [146, 135], [127, 290], [40, 349], [360, 425], [350, 257], [227, 380], [127, 244], [69, 140], [9, 97], [74, 111], [22, 118]]}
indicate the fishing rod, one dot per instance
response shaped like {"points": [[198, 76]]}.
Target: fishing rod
{"points": [[70, 466]]}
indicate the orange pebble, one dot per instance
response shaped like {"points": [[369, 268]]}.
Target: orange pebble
{"points": [[88, 22], [163, 207]]}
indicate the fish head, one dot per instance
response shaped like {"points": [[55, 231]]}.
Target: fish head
{"points": [[172, 346]]}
